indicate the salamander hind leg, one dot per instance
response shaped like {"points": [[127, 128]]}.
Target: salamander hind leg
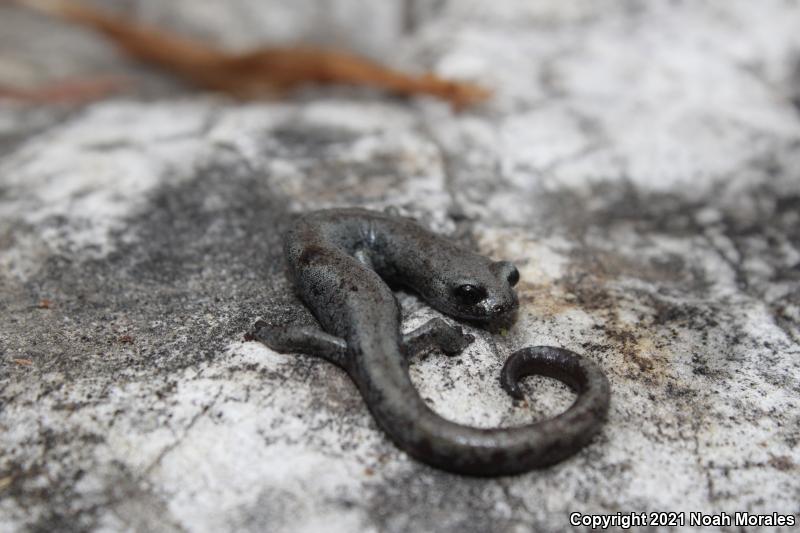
{"points": [[302, 339], [436, 333]]}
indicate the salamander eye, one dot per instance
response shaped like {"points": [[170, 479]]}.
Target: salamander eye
{"points": [[513, 276], [505, 269], [469, 294]]}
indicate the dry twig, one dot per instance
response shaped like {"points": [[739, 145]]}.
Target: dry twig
{"points": [[257, 73]]}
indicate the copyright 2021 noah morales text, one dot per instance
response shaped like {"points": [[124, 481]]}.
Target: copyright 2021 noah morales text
{"points": [[679, 519]]}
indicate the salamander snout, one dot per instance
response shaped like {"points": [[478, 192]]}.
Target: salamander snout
{"points": [[473, 287], [487, 295], [501, 305], [501, 302]]}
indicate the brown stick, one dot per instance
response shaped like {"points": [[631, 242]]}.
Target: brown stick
{"points": [[256, 73]]}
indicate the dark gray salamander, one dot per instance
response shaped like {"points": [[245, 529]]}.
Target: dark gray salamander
{"points": [[340, 261]]}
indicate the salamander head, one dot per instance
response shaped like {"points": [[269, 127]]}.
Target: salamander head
{"points": [[477, 289]]}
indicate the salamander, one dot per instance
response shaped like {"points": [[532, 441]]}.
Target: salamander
{"points": [[342, 263]]}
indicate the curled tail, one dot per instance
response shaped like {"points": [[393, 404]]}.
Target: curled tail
{"points": [[502, 451]]}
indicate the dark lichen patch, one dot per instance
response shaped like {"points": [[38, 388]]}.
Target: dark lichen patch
{"points": [[637, 346], [187, 275], [783, 463], [668, 312], [349, 181], [50, 477], [794, 83], [663, 269], [326, 163], [605, 205], [303, 139], [753, 233], [765, 208]]}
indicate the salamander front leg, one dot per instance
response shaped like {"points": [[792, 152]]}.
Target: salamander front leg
{"points": [[302, 339], [436, 333]]}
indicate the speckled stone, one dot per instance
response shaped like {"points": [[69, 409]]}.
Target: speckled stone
{"points": [[639, 163]]}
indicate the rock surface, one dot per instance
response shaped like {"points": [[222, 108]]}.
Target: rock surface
{"points": [[639, 163]]}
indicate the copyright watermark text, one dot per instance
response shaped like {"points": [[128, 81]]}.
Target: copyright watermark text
{"points": [[679, 519]]}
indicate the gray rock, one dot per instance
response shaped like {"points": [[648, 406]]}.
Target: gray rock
{"points": [[638, 163]]}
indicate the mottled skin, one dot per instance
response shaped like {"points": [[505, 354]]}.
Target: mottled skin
{"points": [[340, 262]]}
